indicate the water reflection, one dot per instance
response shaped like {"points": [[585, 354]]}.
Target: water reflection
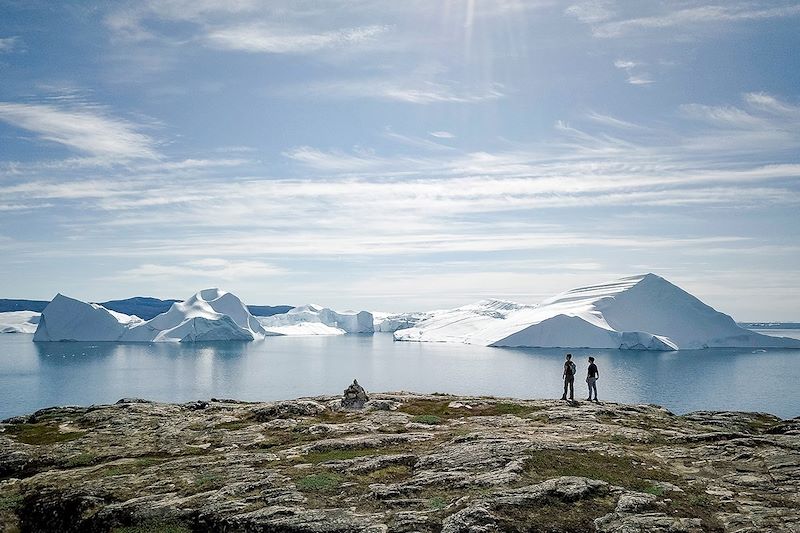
{"points": [[35, 375]]}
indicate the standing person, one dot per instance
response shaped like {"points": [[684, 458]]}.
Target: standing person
{"points": [[591, 380], [569, 378]]}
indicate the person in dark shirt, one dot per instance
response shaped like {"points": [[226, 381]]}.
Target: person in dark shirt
{"points": [[591, 380], [569, 378]]}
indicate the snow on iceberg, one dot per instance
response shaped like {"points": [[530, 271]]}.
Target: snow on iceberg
{"points": [[209, 315], [638, 313], [317, 320], [19, 321], [391, 322]]}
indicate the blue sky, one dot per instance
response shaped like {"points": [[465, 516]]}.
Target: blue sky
{"points": [[406, 155]]}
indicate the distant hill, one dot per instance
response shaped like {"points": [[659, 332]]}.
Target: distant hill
{"points": [[7, 305], [142, 306]]}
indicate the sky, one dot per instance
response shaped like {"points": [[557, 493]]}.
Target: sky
{"points": [[399, 156]]}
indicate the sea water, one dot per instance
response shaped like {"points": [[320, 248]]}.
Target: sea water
{"points": [[37, 375]]}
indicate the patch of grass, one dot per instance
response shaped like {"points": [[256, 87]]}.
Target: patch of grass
{"points": [[695, 503], [153, 527], [389, 474], [132, 467], [322, 482], [336, 455], [437, 503], [555, 516], [655, 490], [206, 481], [625, 471], [82, 459], [428, 407], [234, 425], [10, 503], [431, 420], [505, 408], [41, 434], [440, 408]]}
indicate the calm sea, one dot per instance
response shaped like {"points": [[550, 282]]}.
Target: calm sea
{"points": [[36, 375]]}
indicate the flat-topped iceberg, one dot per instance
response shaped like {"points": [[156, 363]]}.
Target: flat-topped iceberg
{"points": [[317, 320], [209, 315], [639, 313]]}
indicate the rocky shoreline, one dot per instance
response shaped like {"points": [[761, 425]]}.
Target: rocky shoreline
{"points": [[403, 463]]}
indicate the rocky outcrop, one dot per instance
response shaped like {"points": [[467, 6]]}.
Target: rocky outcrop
{"points": [[403, 463], [354, 396]]}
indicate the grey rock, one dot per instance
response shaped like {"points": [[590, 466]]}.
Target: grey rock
{"points": [[355, 397]]}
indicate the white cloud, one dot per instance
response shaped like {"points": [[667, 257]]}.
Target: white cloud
{"points": [[411, 89], [633, 69], [8, 44], [87, 129], [684, 18], [279, 40], [614, 122], [591, 12], [206, 268], [442, 134]]}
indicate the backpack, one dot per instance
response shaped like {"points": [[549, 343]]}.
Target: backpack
{"points": [[572, 368]]}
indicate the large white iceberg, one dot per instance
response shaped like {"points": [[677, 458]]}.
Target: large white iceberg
{"points": [[317, 320], [209, 315], [19, 321], [640, 313]]}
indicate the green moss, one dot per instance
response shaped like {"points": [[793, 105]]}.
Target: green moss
{"points": [[41, 434], [626, 471], [234, 425], [389, 474], [431, 420], [427, 407], [205, 482], [10, 502], [322, 482], [437, 502], [153, 527], [82, 459], [656, 490], [440, 408], [555, 516], [336, 455], [132, 467]]}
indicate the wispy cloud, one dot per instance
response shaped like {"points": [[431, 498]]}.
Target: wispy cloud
{"points": [[85, 128], [412, 90], [8, 44], [634, 70], [605, 23], [442, 134], [278, 40], [211, 268]]}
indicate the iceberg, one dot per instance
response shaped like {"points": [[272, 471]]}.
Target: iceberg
{"points": [[19, 321], [391, 322], [209, 315], [317, 320], [644, 312]]}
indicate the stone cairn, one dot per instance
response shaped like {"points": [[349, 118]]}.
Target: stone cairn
{"points": [[354, 396]]}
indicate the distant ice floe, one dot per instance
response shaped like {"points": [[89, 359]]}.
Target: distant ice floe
{"points": [[643, 312], [19, 321], [391, 322], [317, 320]]}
